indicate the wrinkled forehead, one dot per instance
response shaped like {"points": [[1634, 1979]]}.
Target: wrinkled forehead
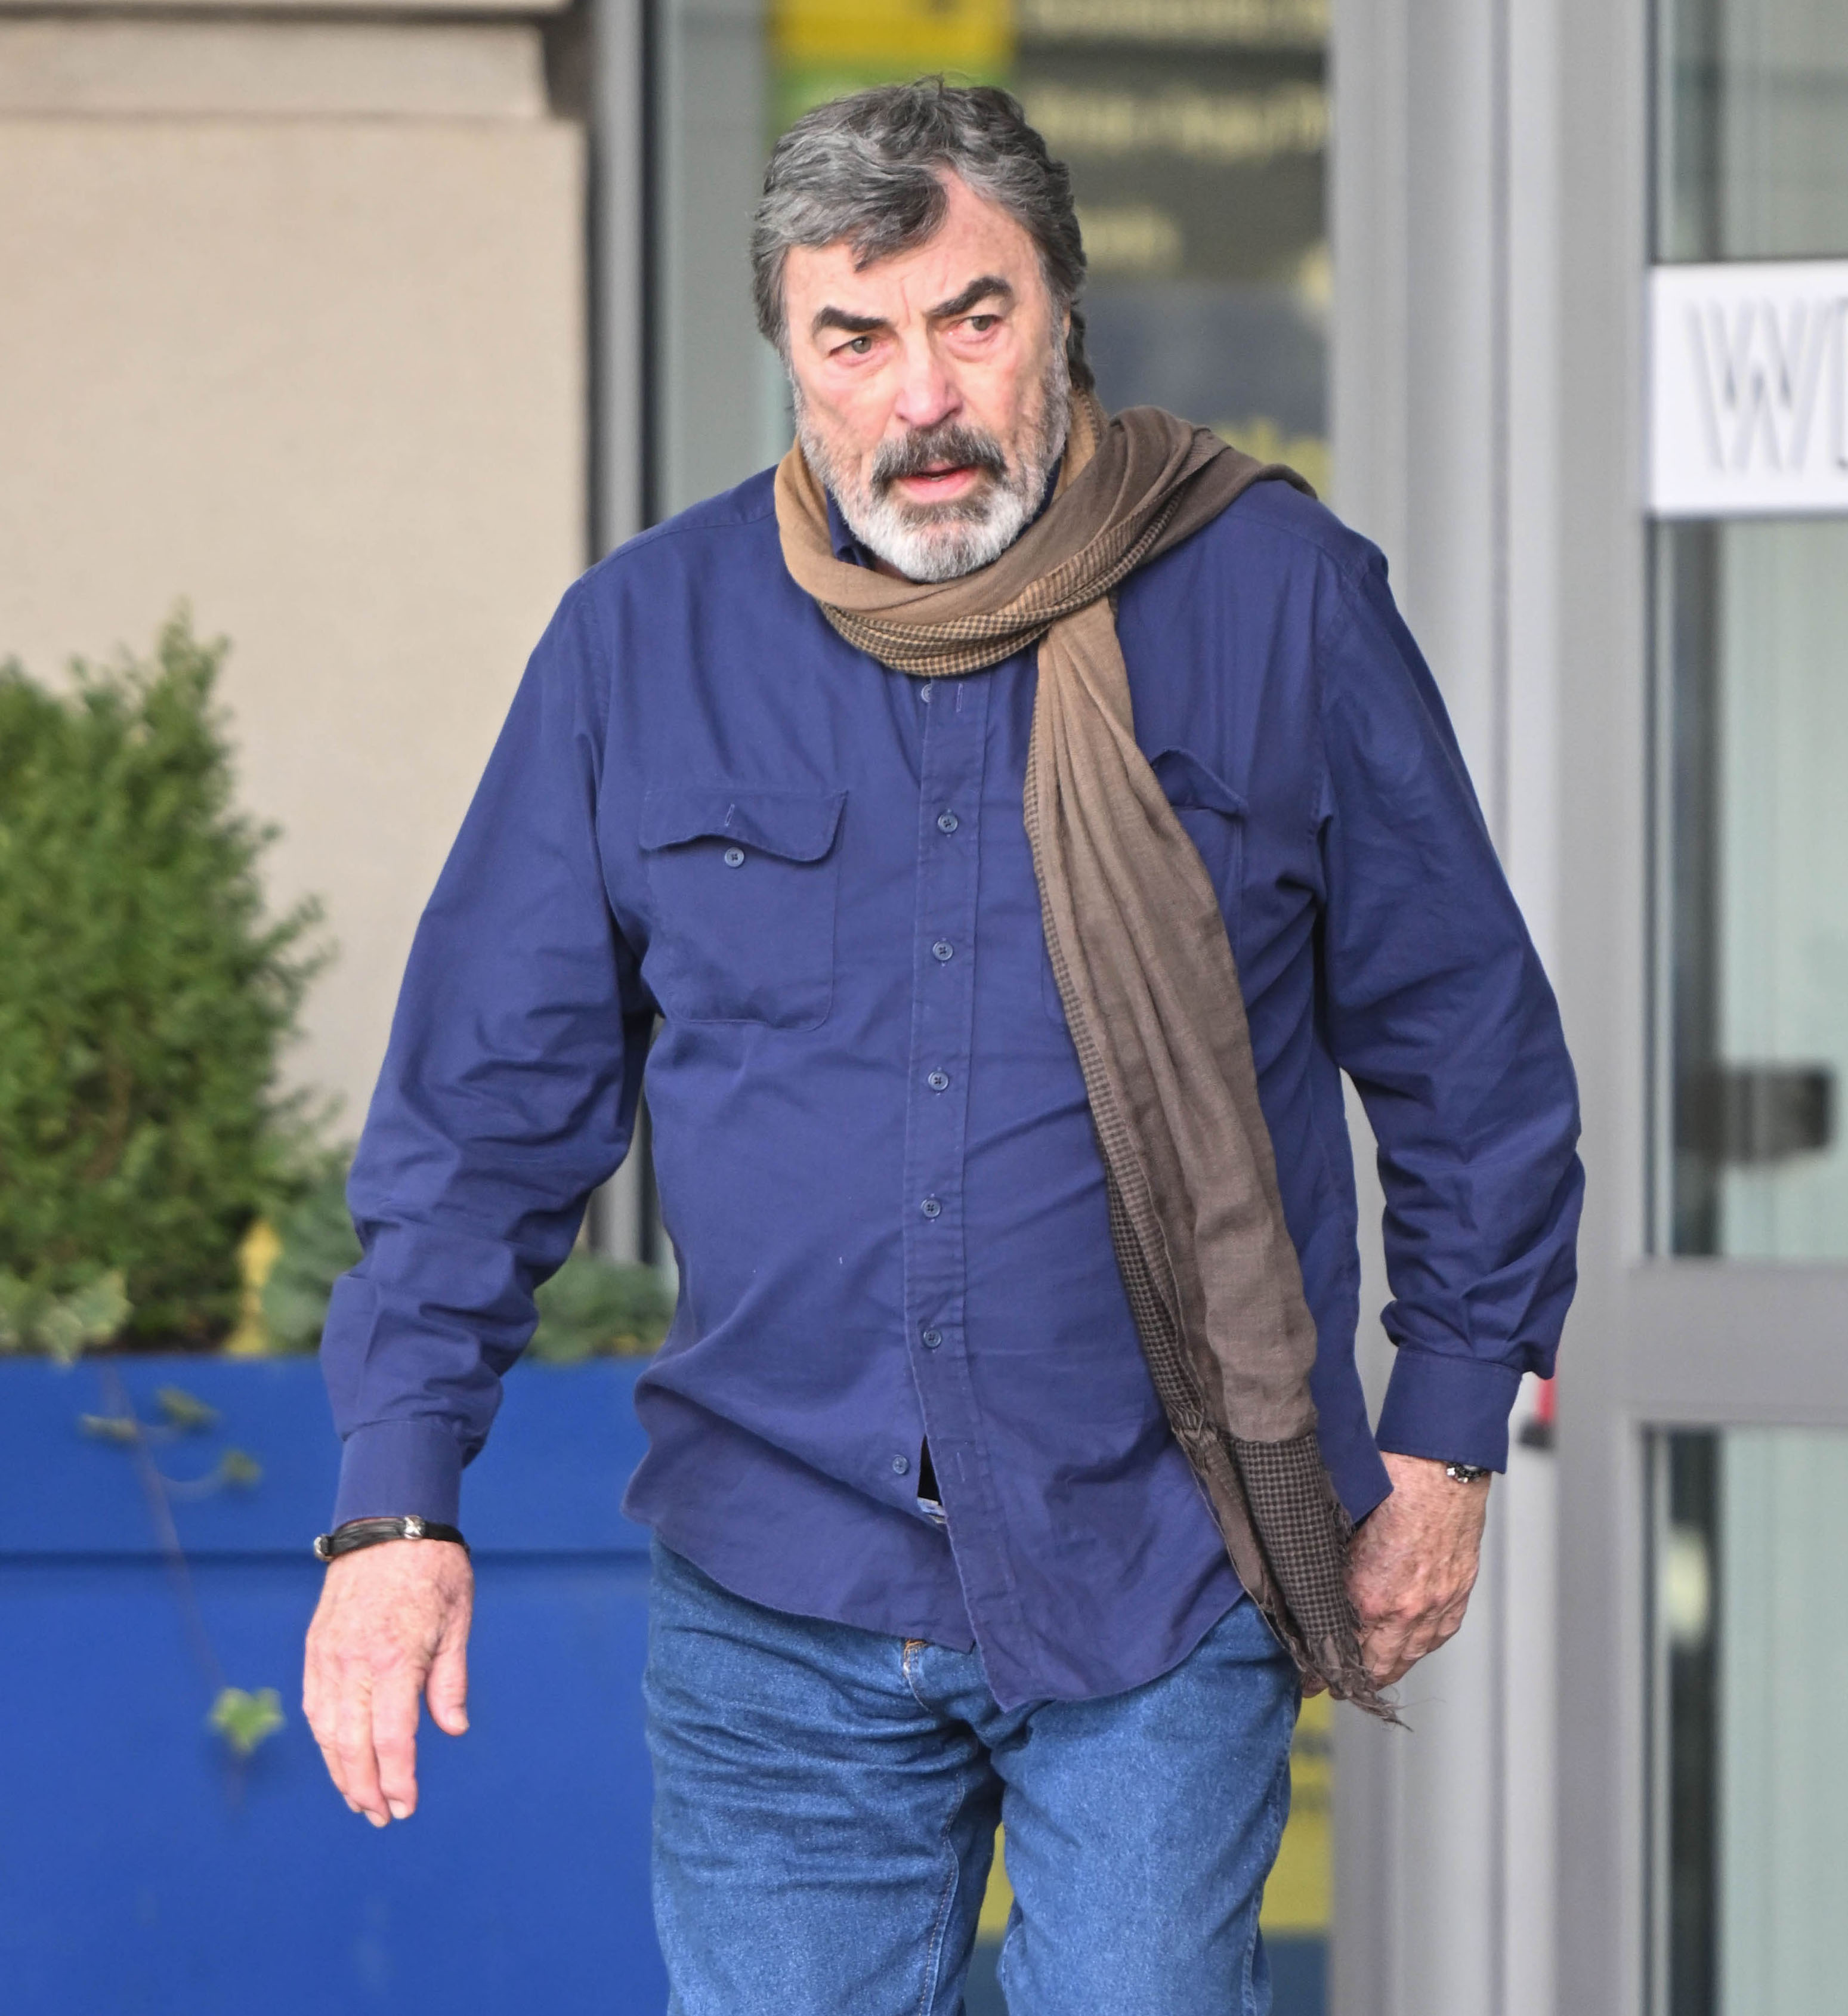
{"points": [[975, 239]]}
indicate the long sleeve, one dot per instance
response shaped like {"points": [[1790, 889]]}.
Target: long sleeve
{"points": [[1439, 1010], [508, 1094]]}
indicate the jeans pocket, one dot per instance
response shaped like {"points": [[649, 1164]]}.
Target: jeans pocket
{"points": [[742, 884]]}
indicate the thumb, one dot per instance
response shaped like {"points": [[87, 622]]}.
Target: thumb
{"points": [[446, 1690]]}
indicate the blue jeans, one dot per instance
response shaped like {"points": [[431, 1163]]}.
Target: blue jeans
{"points": [[826, 1801]]}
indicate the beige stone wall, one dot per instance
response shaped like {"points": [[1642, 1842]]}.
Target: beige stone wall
{"points": [[293, 328]]}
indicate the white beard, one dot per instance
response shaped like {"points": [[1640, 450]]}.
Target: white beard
{"points": [[934, 542]]}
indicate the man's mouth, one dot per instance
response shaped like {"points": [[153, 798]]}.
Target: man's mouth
{"points": [[947, 479], [949, 471]]}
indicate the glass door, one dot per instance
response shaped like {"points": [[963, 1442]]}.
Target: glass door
{"points": [[1747, 1719], [1753, 626]]}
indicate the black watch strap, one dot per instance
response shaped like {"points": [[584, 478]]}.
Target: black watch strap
{"points": [[357, 1533]]}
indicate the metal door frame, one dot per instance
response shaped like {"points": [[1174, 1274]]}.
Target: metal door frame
{"points": [[1492, 235]]}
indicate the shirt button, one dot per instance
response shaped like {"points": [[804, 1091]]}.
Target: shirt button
{"points": [[931, 1339], [938, 1081], [944, 949], [930, 1207], [947, 822], [900, 1465], [734, 857]]}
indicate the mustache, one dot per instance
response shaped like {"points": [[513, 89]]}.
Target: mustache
{"points": [[950, 444]]}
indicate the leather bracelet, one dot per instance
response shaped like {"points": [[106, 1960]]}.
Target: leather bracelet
{"points": [[357, 1533]]}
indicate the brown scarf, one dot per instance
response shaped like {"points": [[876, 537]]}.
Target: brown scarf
{"points": [[1151, 991]]}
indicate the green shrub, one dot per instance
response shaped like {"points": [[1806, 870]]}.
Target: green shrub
{"points": [[144, 995], [592, 1307], [316, 1245], [34, 1319]]}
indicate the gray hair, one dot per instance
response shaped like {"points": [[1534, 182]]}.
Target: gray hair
{"points": [[869, 169]]}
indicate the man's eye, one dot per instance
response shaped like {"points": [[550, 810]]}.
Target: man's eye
{"points": [[859, 345], [982, 324]]}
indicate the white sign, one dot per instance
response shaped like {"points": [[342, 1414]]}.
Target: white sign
{"points": [[1748, 389]]}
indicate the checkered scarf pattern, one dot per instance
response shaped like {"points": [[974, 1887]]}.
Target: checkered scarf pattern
{"points": [[1151, 990]]}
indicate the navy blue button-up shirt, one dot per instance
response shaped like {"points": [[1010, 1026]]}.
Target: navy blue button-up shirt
{"points": [[875, 1157]]}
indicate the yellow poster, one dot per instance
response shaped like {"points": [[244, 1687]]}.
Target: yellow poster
{"points": [[820, 49]]}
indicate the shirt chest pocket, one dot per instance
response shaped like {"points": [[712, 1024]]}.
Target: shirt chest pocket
{"points": [[1212, 815], [742, 883]]}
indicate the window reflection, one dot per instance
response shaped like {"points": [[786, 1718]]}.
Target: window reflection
{"points": [[1750, 619], [1197, 133], [1752, 133], [1749, 1726]]}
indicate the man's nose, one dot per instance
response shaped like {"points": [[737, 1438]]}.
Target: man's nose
{"points": [[927, 394]]}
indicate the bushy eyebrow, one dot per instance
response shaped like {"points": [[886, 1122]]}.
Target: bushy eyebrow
{"points": [[990, 287], [839, 318]]}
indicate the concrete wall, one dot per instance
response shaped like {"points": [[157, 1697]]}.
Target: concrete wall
{"points": [[294, 328]]}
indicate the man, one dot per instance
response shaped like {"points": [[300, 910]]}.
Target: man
{"points": [[944, 798]]}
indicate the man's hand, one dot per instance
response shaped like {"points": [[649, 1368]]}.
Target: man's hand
{"points": [[392, 1625], [1412, 1563]]}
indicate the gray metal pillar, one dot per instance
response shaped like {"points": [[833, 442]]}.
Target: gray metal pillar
{"points": [[1444, 441], [619, 337], [618, 140]]}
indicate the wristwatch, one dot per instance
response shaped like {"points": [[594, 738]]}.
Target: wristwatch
{"points": [[1466, 1473], [357, 1533]]}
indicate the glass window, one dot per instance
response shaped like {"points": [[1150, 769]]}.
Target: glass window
{"points": [[1753, 684], [1752, 143], [1197, 133], [1752, 618], [1749, 1722]]}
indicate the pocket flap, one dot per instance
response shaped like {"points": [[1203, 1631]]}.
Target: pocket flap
{"points": [[795, 826], [1188, 786]]}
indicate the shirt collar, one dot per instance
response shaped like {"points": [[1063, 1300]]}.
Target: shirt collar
{"points": [[841, 538]]}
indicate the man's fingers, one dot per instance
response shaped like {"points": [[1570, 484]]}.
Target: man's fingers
{"points": [[391, 1622], [317, 1712], [395, 1697], [447, 1689], [1385, 1655], [330, 1757], [1393, 1645], [359, 1774]]}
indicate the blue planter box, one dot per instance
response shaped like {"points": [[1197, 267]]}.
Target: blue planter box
{"points": [[142, 1870]]}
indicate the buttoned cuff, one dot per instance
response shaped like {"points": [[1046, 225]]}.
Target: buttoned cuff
{"points": [[1449, 1407], [389, 1469]]}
